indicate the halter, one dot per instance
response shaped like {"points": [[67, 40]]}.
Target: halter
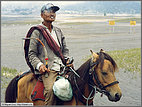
{"points": [[100, 88]]}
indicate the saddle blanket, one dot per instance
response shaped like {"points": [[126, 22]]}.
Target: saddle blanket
{"points": [[38, 92]]}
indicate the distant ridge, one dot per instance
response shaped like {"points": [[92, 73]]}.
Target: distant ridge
{"points": [[88, 7]]}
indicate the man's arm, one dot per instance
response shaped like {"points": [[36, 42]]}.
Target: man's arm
{"points": [[33, 58], [65, 50]]}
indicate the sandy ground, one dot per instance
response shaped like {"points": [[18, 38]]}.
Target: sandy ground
{"points": [[80, 39]]}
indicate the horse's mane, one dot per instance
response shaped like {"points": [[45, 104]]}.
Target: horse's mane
{"points": [[103, 56], [82, 71], [84, 68]]}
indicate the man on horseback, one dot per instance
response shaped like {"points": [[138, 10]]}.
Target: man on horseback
{"points": [[36, 52], [46, 42]]}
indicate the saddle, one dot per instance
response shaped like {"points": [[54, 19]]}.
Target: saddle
{"points": [[38, 91]]}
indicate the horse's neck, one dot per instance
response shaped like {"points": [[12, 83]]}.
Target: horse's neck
{"points": [[83, 84], [83, 72]]}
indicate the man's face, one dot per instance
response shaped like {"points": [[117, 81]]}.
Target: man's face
{"points": [[48, 15]]}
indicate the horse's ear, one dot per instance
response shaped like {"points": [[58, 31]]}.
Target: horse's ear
{"points": [[91, 51], [102, 50], [94, 55]]}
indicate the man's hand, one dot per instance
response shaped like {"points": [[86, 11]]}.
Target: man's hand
{"points": [[69, 65], [43, 69], [68, 61]]}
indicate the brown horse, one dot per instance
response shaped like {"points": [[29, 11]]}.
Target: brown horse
{"points": [[96, 74]]}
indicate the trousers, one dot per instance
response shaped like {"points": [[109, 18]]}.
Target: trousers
{"points": [[48, 82]]}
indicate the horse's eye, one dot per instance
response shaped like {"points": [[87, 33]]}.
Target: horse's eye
{"points": [[104, 73]]}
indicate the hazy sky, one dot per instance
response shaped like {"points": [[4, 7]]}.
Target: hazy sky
{"points": [[59, 3]]}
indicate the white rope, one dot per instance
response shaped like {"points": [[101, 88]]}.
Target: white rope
{"points": [[89, 94]]}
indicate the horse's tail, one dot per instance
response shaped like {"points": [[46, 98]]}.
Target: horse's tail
{"points": [[11, 91]]}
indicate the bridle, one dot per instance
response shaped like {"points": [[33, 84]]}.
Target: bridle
{"points": [[100, 87], [95, 87]]}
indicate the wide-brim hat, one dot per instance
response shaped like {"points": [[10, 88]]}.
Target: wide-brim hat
{"points": [[49, 6]]}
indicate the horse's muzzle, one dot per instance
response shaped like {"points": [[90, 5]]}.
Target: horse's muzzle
{"points": [[116, 97]]}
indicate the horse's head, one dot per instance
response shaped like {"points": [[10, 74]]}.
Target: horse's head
{"points": [[102, 69]]}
